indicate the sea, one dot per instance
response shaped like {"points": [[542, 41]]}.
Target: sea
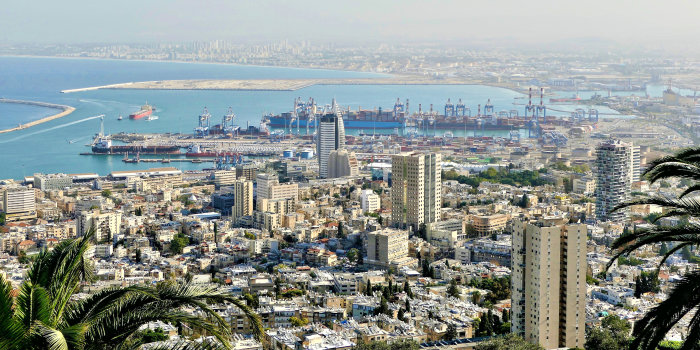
{"points": [[55, 146]]}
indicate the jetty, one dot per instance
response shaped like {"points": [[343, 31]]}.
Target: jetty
{"points": [[65, 110]]}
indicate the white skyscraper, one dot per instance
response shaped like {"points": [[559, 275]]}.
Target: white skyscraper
{"points": [[331, 136], [615, 163]]}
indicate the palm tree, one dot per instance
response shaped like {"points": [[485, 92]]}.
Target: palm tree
{"points": [[685, 296], [46, 314]]}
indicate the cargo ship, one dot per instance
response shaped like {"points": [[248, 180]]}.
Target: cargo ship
{"points": [[103, 145], [456, 116], [573, 98], [145, 111]]}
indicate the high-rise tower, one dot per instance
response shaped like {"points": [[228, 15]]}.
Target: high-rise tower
{"points": [[331, 136]]}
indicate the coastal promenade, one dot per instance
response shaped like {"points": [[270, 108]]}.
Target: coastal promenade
{"points": [[65, 110], [275, 84]]}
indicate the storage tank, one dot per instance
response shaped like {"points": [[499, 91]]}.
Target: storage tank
{"points": [[307, 154], [288, 153]]}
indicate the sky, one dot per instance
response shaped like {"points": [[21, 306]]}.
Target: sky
{"points": [[517, 22]]}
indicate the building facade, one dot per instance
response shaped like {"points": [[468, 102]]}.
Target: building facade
{"points": [[243, 202], [342, 163], [613, 178], [416, 189], [549, 284], [331, 136], [19, 203]]}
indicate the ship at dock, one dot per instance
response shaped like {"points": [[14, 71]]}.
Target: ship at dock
{"points": [[306, 115], [103, 145], [145, 111]]}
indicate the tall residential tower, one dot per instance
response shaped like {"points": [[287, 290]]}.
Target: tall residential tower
{"points": [[416, 190], [616, 162], [549, 284]]}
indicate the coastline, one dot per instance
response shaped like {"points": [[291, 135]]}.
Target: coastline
{"points": [[273, 84], [65, 110]]}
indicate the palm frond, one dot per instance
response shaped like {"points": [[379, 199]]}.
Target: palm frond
{"points": [[689, 190], [673, 169], [652, 329], [627, 244], [692, 340]]}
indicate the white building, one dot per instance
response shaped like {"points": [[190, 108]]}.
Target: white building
{"points": [[370, 201], [331, 136], [416, 190]]}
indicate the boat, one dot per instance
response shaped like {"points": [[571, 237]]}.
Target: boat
{"points": [[573, 98], [152, 117], [103, 145], [456, 116], [145, 111], [120, 117]]}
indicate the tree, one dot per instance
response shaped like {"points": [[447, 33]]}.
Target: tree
{"points": [[684, 298], [453, 290], [341, 233], [44, 313], [612, 335], [451, 332], [476, 298], [106, 193], [422, 231], [646, 282], [352, 254], [383, 345], [137, 256], [298, 322], [524, 201], [407, 289], [368, 290], [178, 243], [3, 217], [663, 250], [426, 269], [360, 259], [510, 342], [408, 305]]}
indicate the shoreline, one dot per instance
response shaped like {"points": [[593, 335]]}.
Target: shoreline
{"points": [[65, 110], [275, 84]]}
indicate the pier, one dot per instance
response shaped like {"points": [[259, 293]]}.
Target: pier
{"points": [[66, 110]]}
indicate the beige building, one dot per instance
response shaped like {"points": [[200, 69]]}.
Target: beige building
{"points": [[370, 201], [243, 198], [106, 224], [224, 178], [342, 163], [387, 247], [584, 185], [549, 284], [489, 224], [416, 190], [19, 203], [269, 187]]}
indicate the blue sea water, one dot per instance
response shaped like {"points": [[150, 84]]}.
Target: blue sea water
{"points": [[45, 148]]}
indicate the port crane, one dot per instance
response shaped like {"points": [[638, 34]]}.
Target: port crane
{"points": [[202, 129]]}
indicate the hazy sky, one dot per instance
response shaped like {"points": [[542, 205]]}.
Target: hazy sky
{"points": [[517, 21]]}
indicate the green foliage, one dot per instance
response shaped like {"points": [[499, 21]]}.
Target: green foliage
{"points": [[298, 322], [179, 241], [453, 290], [106, 193], [513, 178], [499, 288], [249, 236], [352, 254], [3, 218], [451, 332], [383, 345], [44, 314], [510, 342], [591, 280], [291, 293], [631, 261], [646, 282], [150, 336], [612, 335]]}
